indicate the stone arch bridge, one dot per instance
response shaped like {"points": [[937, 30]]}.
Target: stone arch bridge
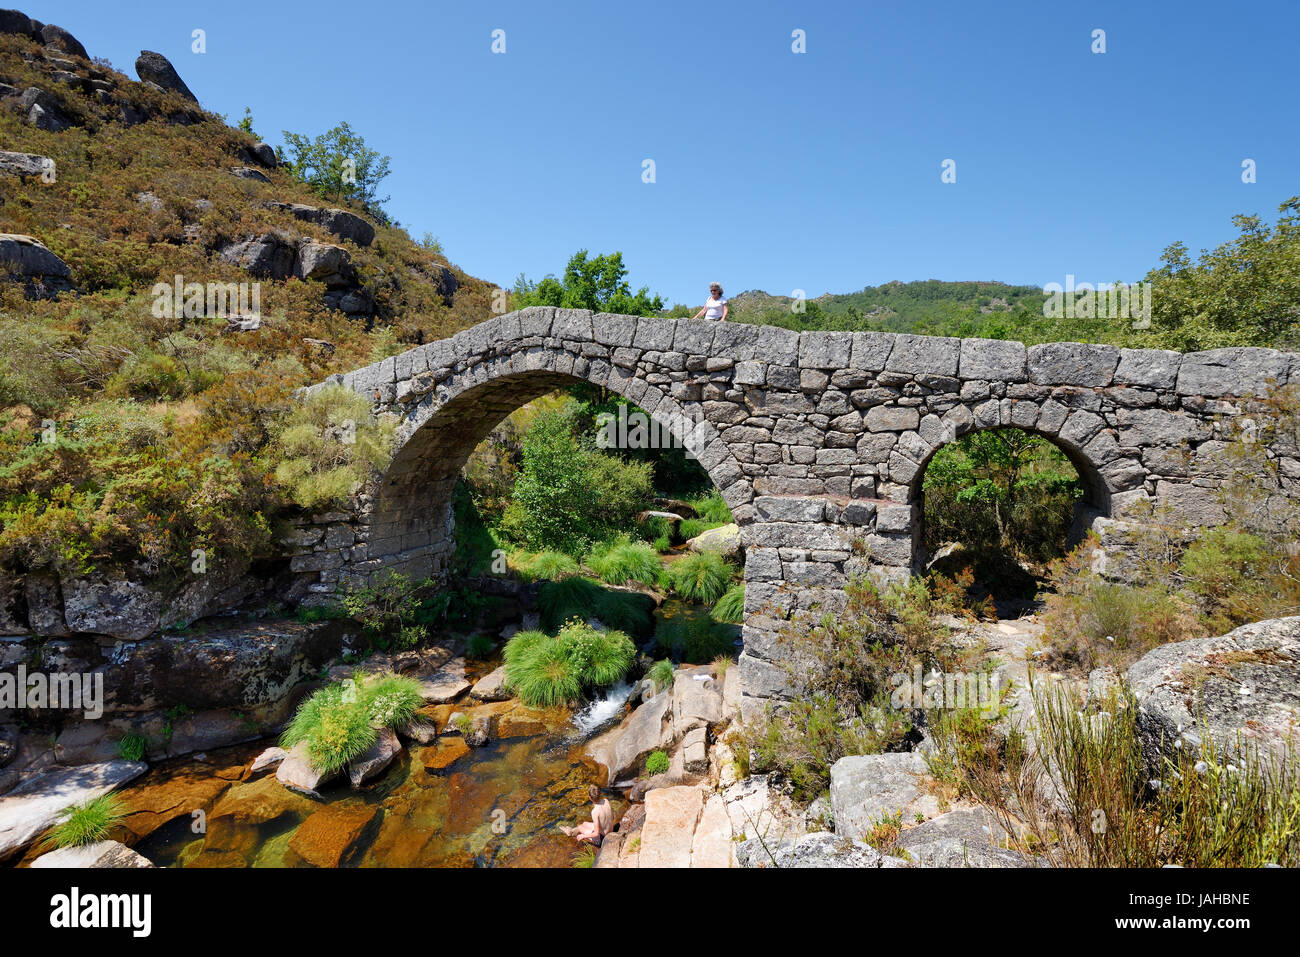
{"points": [[817, 440]]}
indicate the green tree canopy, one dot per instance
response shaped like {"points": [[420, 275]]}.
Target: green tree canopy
{"points": [[338, 165], [598, 283]]}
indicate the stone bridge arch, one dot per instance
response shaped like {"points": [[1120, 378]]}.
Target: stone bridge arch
{"points": [[817, 440]]}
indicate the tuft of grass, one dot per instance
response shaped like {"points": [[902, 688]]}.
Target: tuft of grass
{"points": [[730, 608], [713, 508], [577, 597], [479, 644], [544, 566], [657, 762], [391, 700], [87, 823], [585, 858], [622, 561], [546, 671], [132, 747], [702, 577], [661, 673], [334, 724]]}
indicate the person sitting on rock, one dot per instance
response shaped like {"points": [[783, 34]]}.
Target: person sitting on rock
{"points": [[601, 823], [716, 307]]}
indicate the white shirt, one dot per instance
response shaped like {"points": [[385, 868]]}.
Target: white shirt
{"points": [[713, 308]]}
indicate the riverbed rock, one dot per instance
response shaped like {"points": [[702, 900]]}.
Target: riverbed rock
{"points": [[444, 683], [36, 805], [328, 837], [725, 540], [491, 687], [155, 68], [648, 728], [867, 789], [270, 758], [99, 854], [160, 799], [376, 759], [1242, 689], [670, 818], [521, 722], [297, 773], [419, 731], [443, 754]]}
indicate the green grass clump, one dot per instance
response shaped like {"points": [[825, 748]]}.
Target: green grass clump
{"points": [[87, 823], [545, 671], [692, 527], [577, 597], [701, 577], [479, 644], [661, 673], [132, 747], [696, 640], [338, 723], [657, 762], [544, 566], [713, 508], [622, 561], [585, 858], [391, 700], [731, 606], [663, 544], [655, 528]]}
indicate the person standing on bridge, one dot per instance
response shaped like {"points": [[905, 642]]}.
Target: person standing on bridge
{"points": [[716, 307]]}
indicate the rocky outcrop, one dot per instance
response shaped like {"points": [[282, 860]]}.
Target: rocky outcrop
{"points": [[156, 69], [44, 110], [376, 759], [26, 259], [725, 540], [15, 21], [966, 837], [824, 850], [247, 172], [61, 39], [1241, 690], [36, 805], [274, 256], [24, 164], [99, 854], [869, 789], [267, 256], [340, 222]]}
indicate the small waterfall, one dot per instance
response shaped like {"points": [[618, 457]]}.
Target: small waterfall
{"points": [[603, 710]]}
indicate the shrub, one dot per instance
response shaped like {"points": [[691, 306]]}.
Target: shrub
{"points": [[328, 446], [1239, 577], [390, 606], [390, 701], [731, 606], [657, 762], [701, 577], [713, 508], [87, 823], [545, 565], [621, 561], [546, 671]]}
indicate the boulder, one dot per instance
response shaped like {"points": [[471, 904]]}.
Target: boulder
{"points": [[34, 806], [155, 68], [297, 773], [761, 814], [25, 259], [828, 850], [44, 111], [24, 164], [966, 837], [61, 39], [697, 700], [491, 687], [111, 606], [328, 837], [648, 728], [867, 789], [99, 854], [1242, 689], [725, 540], [267, 256], [376, 759], [325, 263], [443, 684], [419, 731], [270, 758], [247, 172], [264, 154], [670, 818], [15, 21], [711, 846]]}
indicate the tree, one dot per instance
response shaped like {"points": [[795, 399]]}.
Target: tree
{"points": [[598, 283], [338, 165], [1243, 293], [246, 123]]}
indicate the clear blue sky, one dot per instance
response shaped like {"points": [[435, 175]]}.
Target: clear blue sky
{"points": [[778, 171]]}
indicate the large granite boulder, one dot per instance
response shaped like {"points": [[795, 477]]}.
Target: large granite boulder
{"points": [[646, 729], [61, 39], [23, 164], [869, 789], [44, 110], [1241, 689], [99, 854], [25, 259], [36, 805], [725, 540], [267, 256], [325, 263], [966, 837], [155, 68], [116, 607]]}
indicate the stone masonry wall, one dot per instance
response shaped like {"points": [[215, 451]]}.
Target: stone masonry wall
{"points": [[817, 440]]}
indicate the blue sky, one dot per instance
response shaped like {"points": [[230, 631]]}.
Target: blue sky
{"points": [[817, 171]]}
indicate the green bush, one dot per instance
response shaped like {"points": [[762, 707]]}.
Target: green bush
{"points": [[87, 823], [661, 673], [621, 561], [544, 565], [731, 606], [328, 446], [132, 747], [713, 508], [657, 762], [703, 576], [394, 606], [546, 671], [334, 724]]}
